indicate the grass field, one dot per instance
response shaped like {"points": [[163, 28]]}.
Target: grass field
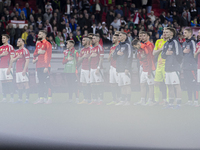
{"points": [[63, 123]]}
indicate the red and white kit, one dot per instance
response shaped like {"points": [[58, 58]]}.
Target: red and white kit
{"points": [[85, 69], [5, 61], [94, 62], [20, 64]]}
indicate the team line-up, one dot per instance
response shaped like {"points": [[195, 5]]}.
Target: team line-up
{"points": [[171, 59]]}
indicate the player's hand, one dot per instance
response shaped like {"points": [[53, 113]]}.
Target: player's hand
{"points": [[23, 72], [45, 70], [169, 52], [186, 50], [126, 72], [19, 56], [120, 53], [86, 55], [97, 72], [70, 58], [93, 55], [143, 55], [41, 51], [8, 71]]}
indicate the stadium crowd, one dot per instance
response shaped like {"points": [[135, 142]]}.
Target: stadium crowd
{"points": [[78, 18], [162, 51]]}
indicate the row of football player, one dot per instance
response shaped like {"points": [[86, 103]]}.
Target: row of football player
{"points": [[120, 57], [171, 56]]}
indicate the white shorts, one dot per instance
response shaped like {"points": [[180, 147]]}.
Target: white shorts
{"points": [[36, 77], [4, 76], [113, 77], [84, 77], [172, 78], [20, 78], [145, 79], [96, 78], [124, 79]]}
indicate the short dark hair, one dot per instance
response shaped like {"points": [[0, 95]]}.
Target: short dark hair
{"points": [[97, 35], [134, 42], [143, 32], [123, 33], [43, 31], [6, 35], [172, 30], [71, 41], [189, 30]]}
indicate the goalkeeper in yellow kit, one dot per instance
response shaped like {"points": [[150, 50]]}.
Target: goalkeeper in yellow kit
{"points": [[160, 70]]}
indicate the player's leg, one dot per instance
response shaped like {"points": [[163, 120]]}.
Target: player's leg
{"points": [[93, 87], [194, 87], [41, 85], [27, 91], [187, 79], [171, 94], [20, 92]]}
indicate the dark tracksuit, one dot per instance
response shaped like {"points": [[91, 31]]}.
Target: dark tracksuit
{"points": [[189, 67]]}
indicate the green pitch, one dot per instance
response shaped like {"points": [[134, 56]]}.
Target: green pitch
{"points": [[117, 126]]}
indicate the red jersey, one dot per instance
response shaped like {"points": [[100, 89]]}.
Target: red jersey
{"points": [[43, 59], [95, 60], [147, 62], [21, 62], [149, 47], [5, 60], [112, 61], [85, 62]]}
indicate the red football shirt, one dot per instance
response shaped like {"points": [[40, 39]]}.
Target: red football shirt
{"points": [[85, 62], [21, 62], [5, 60], [94, 62], [112, 61], [43, 59]]}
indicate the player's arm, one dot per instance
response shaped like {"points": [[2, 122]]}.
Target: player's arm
{"points": [[129, 60], [48, 55], [10, 64], [4, 54], [115, 55], [35, 60], [197, 51], [25, 66], [16, 58], [163, 54]]}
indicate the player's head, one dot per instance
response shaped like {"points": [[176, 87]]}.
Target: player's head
{"points": [[115, 38], [140, 36], [5, 38], [95, 39], [70, 44], [164, 34], [171, 32], [90, 35], [144, 36], [20, 42], [187, 33], [122, 36], [42, 35], [136, 44], [85, 41]]}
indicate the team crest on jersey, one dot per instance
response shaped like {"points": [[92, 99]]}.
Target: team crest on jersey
{"points": [[123, 48]]}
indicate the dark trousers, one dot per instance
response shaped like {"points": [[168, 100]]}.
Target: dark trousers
{"points": [[44, 82], [72, 84], [190, 79]]}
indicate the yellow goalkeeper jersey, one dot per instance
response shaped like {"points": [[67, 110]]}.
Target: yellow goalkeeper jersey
{"points": [[161, 62]]}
